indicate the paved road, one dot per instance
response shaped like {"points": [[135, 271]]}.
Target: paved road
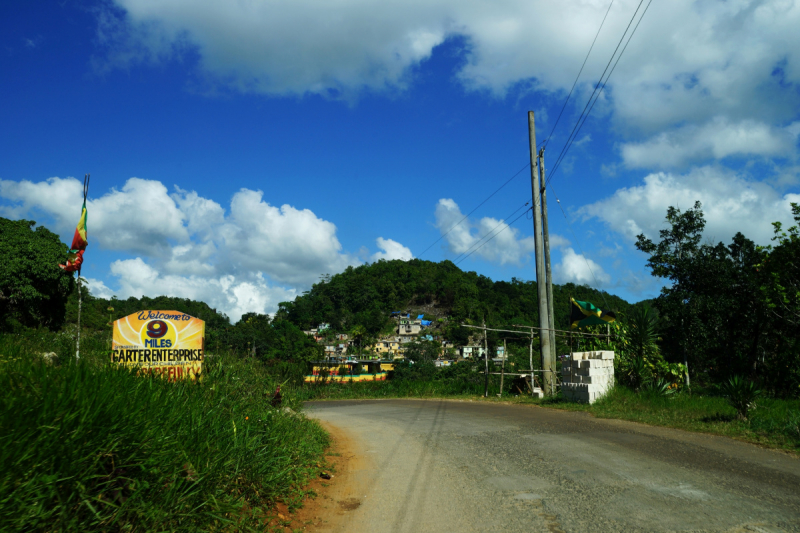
{"points": [[470, 466]]}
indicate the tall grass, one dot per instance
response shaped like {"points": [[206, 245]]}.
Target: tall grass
{"points": [[86, 446]]}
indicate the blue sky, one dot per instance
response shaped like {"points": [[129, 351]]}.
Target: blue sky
{"points": [[239, 151]]}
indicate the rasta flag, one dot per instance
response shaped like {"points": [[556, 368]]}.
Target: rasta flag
{"points": [[586, 314], [79, 241]]}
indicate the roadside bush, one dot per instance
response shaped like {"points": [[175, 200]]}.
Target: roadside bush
{"points": [[741, 394], [409, 371]]}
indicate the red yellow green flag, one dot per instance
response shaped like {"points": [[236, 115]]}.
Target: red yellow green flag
{"points": [[79, 241]]}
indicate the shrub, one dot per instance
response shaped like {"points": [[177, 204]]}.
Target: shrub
{"points": [[741, 394]]}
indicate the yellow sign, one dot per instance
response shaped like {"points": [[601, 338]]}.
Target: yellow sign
{"points": [[167, 343]]}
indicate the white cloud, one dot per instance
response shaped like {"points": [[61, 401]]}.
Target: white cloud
{"points": [[98, 289], [235, 295], [688, 60], [193, 248], [391, 250], [506, 247], [292, 245], [716, 139], [141, 217], [731, 204], [576, 268], [700, 80]]}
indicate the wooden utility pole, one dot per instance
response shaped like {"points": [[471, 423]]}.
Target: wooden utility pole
{"points": [[533, 381], [541, 274], [485, 358], [503, 368], [550, 378]]}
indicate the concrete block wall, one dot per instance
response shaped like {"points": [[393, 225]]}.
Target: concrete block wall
{"points": [[587, 376]]}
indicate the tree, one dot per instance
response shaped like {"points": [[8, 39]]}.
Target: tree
{"points": [[33, 289], [423, 351], [720, 309]]}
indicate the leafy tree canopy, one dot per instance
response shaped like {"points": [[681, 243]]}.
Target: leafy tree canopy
{"points": [[366, 295], [728, 309], [33, 288]]}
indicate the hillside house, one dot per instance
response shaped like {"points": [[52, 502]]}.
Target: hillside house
{"points": [[409, 326], [500, 355], [387, 349], [473, 352]]}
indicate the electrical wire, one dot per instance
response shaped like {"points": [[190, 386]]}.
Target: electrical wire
{"points": [[569, 145], [578, 244], [579, 75], [502, 221], [527, 165], [495, 235], [597, 85]]}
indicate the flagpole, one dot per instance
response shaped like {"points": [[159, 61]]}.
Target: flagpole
{"points": [[78, 342], [78, 345]]}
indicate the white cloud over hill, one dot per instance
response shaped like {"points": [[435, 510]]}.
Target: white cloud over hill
{"points": [[248, 258]]}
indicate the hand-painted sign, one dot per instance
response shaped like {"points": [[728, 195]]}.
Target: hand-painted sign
{"points": [[167, 343]]}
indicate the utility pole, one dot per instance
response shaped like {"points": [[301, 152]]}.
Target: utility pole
{"points": [[546, 234], [541, 274], [486, 359], [533, 380], [503, 368]]}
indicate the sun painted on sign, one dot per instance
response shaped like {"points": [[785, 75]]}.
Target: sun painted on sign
{"points": [[167, 343]]}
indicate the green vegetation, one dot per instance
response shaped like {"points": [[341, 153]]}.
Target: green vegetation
{"points": [[92, 447], [33, 288], [359, 300], [274, 342], [729, 309], [774, 422], [89, 446], [86, 446]]}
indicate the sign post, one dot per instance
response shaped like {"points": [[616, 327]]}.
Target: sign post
{"points": [[166, 343]]}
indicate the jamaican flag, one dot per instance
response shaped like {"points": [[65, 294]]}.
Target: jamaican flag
{"points": [[586, 314]]}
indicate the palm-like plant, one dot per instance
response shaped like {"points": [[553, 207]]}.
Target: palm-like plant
{"points": [[642, 330], [659, 387], [642, 335], [741, 394]]}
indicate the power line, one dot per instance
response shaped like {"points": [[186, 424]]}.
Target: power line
{"points": [[578, 244], [495, 235], [476, 208], [558, 162], [579, 75], [597, 86], [502, 221]]}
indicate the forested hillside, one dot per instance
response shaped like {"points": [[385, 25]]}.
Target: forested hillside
{"points": [[366, 295]]}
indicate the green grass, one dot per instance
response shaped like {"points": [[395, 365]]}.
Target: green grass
{"points": [[387, 389], [85, 446], [774, 422]]}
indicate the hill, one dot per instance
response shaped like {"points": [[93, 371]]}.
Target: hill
{"points": [[366, 295]]}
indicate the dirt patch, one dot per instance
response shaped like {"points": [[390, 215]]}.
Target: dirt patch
{"points": [[334, 498], [350, 504]]}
